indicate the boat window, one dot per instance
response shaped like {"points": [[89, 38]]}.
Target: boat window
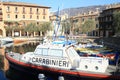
{"points": [[42, 51], [55, 52], [45, 51], [38, 51]]}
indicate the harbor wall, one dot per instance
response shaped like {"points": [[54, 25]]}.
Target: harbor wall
{"points": [[4, 65]]}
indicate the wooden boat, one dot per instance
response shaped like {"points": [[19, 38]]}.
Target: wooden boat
{"points": [[63, 60]]}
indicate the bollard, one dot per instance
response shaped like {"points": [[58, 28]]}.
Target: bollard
{"points": [[60, 78], [41, 76]]}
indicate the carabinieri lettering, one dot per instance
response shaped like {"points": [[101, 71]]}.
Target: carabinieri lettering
{"points": [[61, 63]]}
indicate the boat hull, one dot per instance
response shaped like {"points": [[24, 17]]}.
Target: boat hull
{"points": [[30, 70]]}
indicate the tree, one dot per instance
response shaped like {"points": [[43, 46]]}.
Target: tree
{"points": [[88, 26], [31, 28], [77, 28], [44, 27], [13, 25], [8, 30], [66, 27], [116, 22]]}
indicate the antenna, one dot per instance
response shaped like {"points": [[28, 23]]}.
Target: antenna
{"points": [[57, 24]]}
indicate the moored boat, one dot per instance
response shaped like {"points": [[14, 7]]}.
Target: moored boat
{"points": [[5, 40], [63, 60]]}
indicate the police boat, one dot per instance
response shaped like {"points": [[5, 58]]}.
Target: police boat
{"points": [[63, 60]]}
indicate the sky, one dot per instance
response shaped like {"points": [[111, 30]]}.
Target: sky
{"points": [[62, 4]]}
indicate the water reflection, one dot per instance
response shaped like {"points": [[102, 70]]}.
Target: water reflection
{"points": [[23, 47]]}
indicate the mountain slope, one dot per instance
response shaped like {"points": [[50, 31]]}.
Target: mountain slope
{"points": [[81, 10]]}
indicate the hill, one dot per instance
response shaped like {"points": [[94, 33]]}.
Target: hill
{"points": [[81, 10]]}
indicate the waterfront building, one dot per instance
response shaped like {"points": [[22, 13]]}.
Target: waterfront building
{"points": [[82, 18], [106, 28], [21, 14]]}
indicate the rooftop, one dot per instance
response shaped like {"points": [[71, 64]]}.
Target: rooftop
{"points": [[22, 4]]}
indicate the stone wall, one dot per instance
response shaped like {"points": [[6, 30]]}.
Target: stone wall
{"points": [[3, 61]]}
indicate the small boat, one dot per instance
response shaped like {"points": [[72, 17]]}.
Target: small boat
{"points": [[63, 60], [6, 40], [7, 45]]}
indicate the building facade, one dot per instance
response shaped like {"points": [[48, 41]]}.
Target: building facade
{"points": [[21, 14], [82, 18], [106, 28]]}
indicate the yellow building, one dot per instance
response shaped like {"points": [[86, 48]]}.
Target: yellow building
{"points": [[12, 13]]}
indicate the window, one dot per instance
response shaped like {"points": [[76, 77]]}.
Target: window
{"points": [[30, 16], [37, 17], [97, 26], [16, 9], [45, 51], [23, 16], [110, 18], [37, 10], [8, 9], [43, 17], [16, 16], [38, 51], [54, 52], [43, 11], [30, 10], [23, 10], [8, 15]]}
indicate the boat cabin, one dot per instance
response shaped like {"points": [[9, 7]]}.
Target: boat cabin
{"points": [[65, 57]]}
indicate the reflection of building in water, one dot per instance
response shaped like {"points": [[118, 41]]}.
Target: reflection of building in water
{"points": [[23, 47]]}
